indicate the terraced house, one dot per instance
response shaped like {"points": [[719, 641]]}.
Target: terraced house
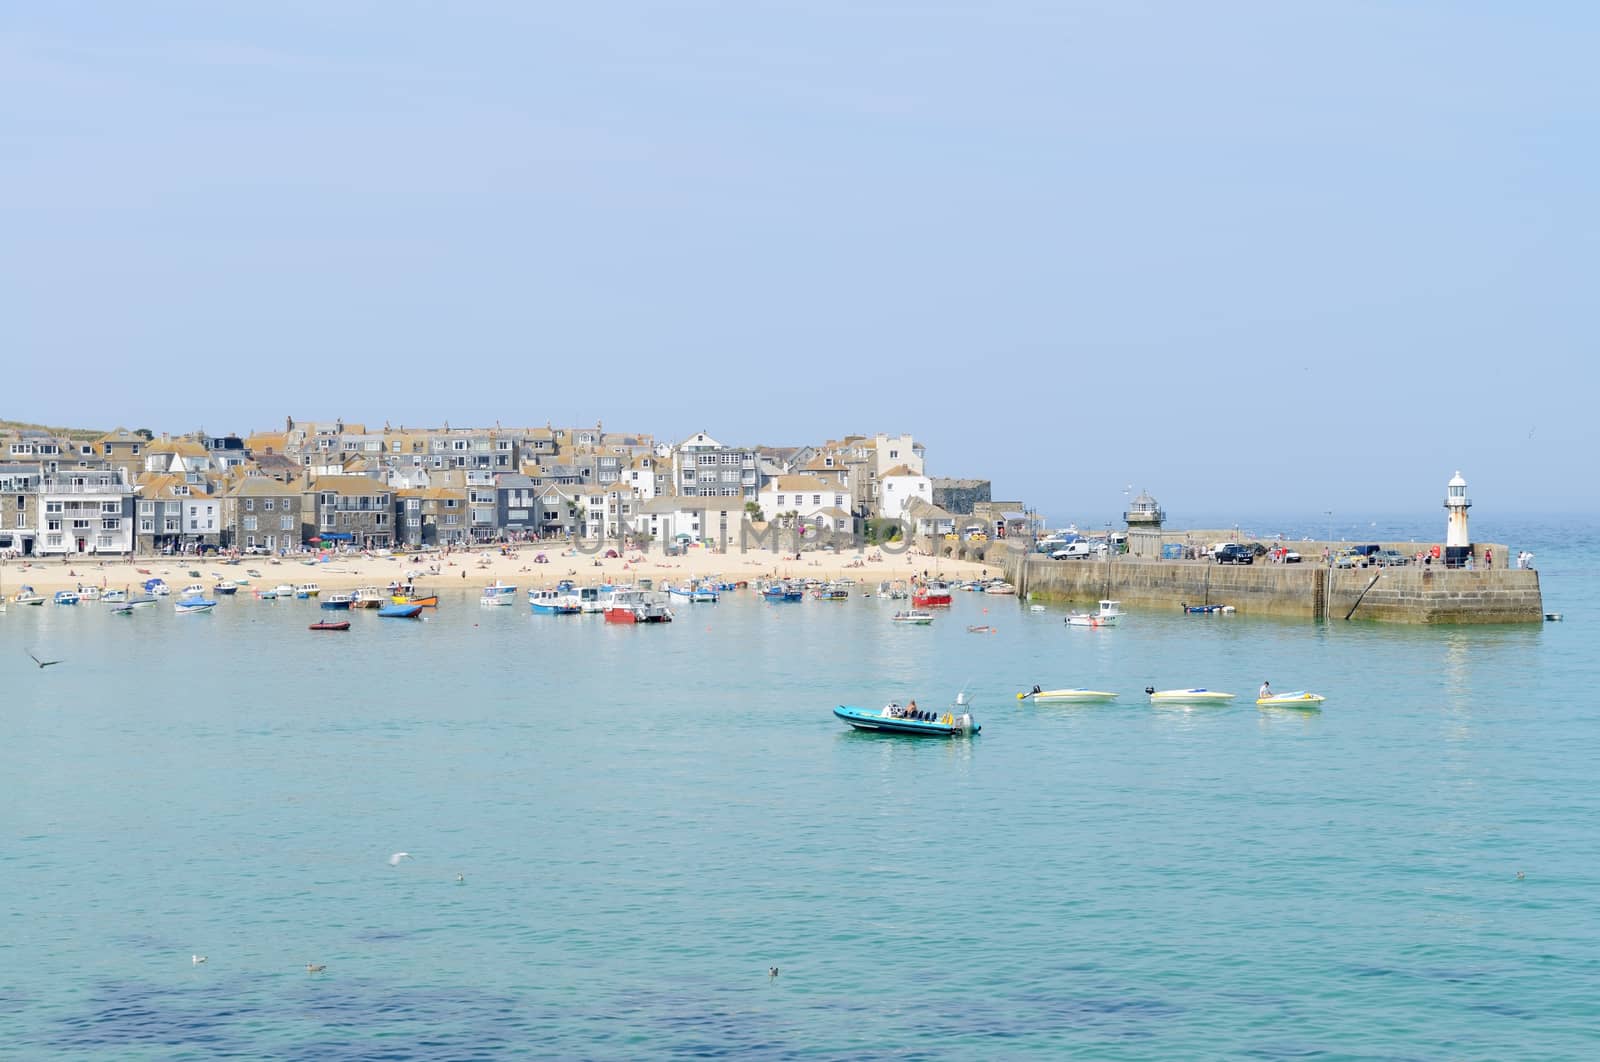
{"points": [[347, 510], [86, 510], [261, 515], [431, 516], [19, 507]]}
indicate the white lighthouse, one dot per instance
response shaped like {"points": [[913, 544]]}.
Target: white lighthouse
{"points": [[1457, 543]]}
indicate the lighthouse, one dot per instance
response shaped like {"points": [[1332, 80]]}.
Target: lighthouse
{"points": [[1457, 543]]}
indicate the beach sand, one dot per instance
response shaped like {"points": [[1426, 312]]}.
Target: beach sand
{"points": [[479, 567]]}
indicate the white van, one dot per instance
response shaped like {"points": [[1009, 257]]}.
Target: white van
{"points": [[1074, 551]]}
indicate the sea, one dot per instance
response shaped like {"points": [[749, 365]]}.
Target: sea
{"points": [[658, 842]]}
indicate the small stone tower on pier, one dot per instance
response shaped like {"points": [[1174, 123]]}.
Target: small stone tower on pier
{"points": [[1457, 542]]}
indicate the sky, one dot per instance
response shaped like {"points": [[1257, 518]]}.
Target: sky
{"points": [[1247, 256]]}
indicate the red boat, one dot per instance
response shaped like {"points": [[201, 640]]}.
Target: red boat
{"points": [[931, 595], [342, 625], [633, 606]]}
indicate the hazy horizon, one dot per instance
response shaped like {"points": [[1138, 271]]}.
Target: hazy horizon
{"points": [[1243, 256]]}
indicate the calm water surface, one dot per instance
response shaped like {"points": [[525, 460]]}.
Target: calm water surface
{"points": [[649, 818]]}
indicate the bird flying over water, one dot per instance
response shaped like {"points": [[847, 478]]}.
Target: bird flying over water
{"points": [[42, 663], [394, 860]]}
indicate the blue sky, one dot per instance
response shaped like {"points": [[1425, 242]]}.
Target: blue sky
{"points": [[1247, 255]]}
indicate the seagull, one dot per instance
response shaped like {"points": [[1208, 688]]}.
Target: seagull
{"points": [[772, 973], [316, 967], [461, 879], [394, 860], [1521, 875], [197, 959], [42, 663]]}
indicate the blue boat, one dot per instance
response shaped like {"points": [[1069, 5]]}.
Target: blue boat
{"points": [[784, 592], [337, 601], [894, 718], [187, 606], [1205, 610], [66, 597], [400, 611]]}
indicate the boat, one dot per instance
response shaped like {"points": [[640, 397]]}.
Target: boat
{"points": [[553, 602], [187, 606], [1296, 699], [1000, 588], [1074, 695], [227, 588], [368, 597], [831, 592], [122, 610], [498, 593], [1205, 610], [981, 628], [66, 597], [393, 611], [1197, 695], [682, 593], [893, 591], [88, 593], [283, 590], [115, 597], [704, 595], [590, 599], [783, 592], [931, 595], [1037, 608], [267, 594], [1105, 616], [27, 596], [894, 718], [157, 587], [425, 600], [341, 625], [307, 590], [193, 590], [636, 606], [141, 602], [915, 617], [338, 601]]}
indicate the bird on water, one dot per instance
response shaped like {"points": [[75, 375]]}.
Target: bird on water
{"points": [[772, 973], [197, 959], [316, 967]]}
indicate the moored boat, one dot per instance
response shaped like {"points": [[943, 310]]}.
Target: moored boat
{"points": [[157, 587], [636, 606], [188, 606], [66, 597], [553, 602], [498, 593], [914, 617], [307, 590], [338, 601], [935, 594], [1105, 616], [123, 609], [1073, 695], [27, 596], [1194, 695], [393, 611], [88, 593], [1000, 588], [1205, 610], [779, 592], [368, 597], [284, 590], [341, 625], [1295, 699], [894, 718], [115, 597], [227, 588]]}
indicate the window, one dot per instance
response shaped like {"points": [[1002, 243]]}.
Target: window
{"points": [[52, 507], [110, 523], [53, 525], [286, 523], [52, 540], [816, 499], [194, 525], [268, 503], [110, 507], [249, 523], [249, 505], [893, 454], [136, 449], [147, 526]]}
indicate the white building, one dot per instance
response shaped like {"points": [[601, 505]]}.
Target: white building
{"points": [[898, 488], [85, 511], [817, 501]]}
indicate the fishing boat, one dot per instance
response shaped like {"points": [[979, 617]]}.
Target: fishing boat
{"points": [[425, 600], [267, 594], [553, 602], [1196, 695], [188, 606], [636, 606], [115, 597], [329, 625], [831, 592], [393, 611], [1296, 699], [66, 597], [284, 590], [895, 718], [1105, 616], [704, 595], [893, 591], [27, 596], [931, 595], [1000, 588], [227, 588], [498, 593], [338, 601], [157, 587], [1074, 695], [193, 590], [590, 599], [368, 597], [307, 590], [914, 617], [1205, 610], [779, 592], [88, 593]]}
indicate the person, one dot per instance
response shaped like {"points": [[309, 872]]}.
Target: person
{"points": [[1488, 558], [911, 709], [1264, 692]]}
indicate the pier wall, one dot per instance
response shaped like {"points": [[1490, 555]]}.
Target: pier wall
{"points": [[1307, 591]]}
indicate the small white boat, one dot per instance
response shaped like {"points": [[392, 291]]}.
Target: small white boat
{"points": [[114, 597], [1037, 608], [369, 597], [1194, 695], [1073, 695], [267, 594], [1106, 615], [188, 606], [141, 602], [283, 590], [193, 590], [915, 617], [498, 593], [1296, 699], [1000, 588], [88, 593], [27, 596], [307, 590]]}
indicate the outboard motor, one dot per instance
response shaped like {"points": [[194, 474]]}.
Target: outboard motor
{"points": [[964, 722]]}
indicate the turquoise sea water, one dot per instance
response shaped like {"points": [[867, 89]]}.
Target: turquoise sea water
{"points": [[648, 818]]}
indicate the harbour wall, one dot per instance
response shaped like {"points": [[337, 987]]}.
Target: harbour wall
{"points": [[1408, 594]]}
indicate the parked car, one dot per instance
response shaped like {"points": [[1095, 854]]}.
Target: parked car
{"points": [[1233, 553], [1389, 557], [1291, 557]]}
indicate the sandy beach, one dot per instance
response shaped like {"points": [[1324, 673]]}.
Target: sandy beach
{"points": [[473, 568]]}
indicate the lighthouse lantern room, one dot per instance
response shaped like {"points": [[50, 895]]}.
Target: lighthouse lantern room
{"points": [[1457, 543]]}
